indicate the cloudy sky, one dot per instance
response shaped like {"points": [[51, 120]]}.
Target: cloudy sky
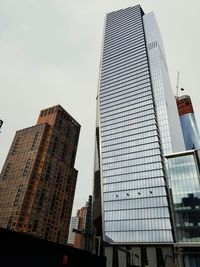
{"points": [[50, 53]]}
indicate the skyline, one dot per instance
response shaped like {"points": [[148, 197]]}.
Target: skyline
{"points": [[34, 60]]}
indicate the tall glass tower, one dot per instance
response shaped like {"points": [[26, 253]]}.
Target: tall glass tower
{"points": [[137, 123], [188, 122]]}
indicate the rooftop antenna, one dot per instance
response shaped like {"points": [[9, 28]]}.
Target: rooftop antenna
{"points": [[177, 84]]}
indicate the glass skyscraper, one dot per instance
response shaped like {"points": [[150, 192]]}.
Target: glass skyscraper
{"points": [[188, 122], [137, 123]]}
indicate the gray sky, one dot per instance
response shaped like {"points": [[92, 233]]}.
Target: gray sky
{"points": [[50, 53]]}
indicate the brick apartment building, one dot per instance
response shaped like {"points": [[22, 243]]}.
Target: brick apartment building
{"points": [[38, 179]]}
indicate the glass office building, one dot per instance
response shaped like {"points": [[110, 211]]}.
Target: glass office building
{"points": [[135, 114], [183, 169], [185, 185]]}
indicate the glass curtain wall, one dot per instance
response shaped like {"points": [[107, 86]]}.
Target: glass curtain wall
{"points": [[135, 204], [190, 131], [185, 183]]}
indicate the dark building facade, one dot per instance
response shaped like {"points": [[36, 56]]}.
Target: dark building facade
{"points": [[22, 250], [38, 178], [188, 122]]}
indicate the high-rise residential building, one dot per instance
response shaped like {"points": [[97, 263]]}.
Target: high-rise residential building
{"points": [[38, 178], [79, 237], [188, 122], [137, 123]]}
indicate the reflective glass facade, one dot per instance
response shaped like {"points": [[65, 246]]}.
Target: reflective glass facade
{"points": [[185, 182], [130, 187], [168, 118], [190, 131], [188, 122]]}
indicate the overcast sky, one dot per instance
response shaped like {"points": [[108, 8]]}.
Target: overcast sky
{"points": [[50, 54]]}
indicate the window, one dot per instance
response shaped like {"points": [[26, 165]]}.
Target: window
{"points": [[26, 168], [6, 171], [64, 152], [63, 209], [53, 150], [34, 141], [59, 123], [17, 195], [15, 147], [53, 204], [10, 222], [41, 199], [48, 172]]}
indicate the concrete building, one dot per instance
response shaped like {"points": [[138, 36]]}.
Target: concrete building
{"points": [[38, 178], [188, 122], [137, 123]]}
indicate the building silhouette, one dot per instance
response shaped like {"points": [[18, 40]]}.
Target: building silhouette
{"points": [[38, 178], [188, 122], [137, 123], [22, 250]]}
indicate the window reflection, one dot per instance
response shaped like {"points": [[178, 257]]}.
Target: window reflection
{"points": [[184, 177], [140, 236]]}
